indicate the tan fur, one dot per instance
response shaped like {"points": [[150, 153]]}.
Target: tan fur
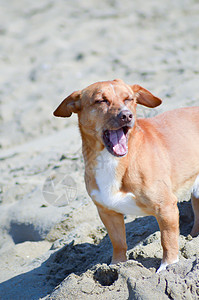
{"points": [[162, 158]]}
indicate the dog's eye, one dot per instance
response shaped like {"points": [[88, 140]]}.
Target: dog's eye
{"points": [[126, 101], [102, 101]]}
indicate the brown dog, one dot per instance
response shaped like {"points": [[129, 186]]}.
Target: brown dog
{"points": [[136, 166]]}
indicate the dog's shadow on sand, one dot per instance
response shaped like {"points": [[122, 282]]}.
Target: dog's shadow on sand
{"points": [[79, 258]]}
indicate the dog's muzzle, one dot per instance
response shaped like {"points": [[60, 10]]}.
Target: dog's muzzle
{"points": [[116, 141]]}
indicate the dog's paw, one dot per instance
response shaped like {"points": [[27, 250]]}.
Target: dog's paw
{"points": [[164, 265]]}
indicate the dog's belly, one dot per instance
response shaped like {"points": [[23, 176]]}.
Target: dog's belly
{"points": [[108, 193], [195, 189], [191, 186], [119, 202]]}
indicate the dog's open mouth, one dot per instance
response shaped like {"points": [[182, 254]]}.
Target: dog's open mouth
{"points": [[116, 141]]}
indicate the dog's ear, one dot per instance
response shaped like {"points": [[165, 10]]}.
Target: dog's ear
{"points": [[69, 105], [144, 97]]}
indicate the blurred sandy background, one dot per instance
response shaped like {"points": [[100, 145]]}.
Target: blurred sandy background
{"points": [[48, 49]]}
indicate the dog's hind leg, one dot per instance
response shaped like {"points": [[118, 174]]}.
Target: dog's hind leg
{"points": [[114, 223], [168, 220], [195, 205]]}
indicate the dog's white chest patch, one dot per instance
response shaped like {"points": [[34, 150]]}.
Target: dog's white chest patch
{"points": [[109, 194]]}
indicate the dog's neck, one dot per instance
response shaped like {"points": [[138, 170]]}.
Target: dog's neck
{"points": [[90, 148]]}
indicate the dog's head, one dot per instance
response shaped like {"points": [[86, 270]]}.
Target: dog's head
{"points": [[107, 111]]}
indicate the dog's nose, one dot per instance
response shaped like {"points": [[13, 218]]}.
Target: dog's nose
{"points": [[125, 116]]}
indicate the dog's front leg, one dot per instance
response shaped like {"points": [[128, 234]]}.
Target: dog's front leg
{"points": [[168, 220], [114, 223]]}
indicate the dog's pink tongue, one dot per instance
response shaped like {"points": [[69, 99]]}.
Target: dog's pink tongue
{"points": [[118, 139]]}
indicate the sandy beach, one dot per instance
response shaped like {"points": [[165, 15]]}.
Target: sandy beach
{"points": [[52, 242]]}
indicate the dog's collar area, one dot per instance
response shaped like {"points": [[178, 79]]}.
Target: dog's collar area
{"points": [[116, 141]]}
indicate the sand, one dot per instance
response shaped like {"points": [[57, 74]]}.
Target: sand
{"points": [[52, 242]]}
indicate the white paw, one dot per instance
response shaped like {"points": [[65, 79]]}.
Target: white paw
{"points": [[164, 265]]}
